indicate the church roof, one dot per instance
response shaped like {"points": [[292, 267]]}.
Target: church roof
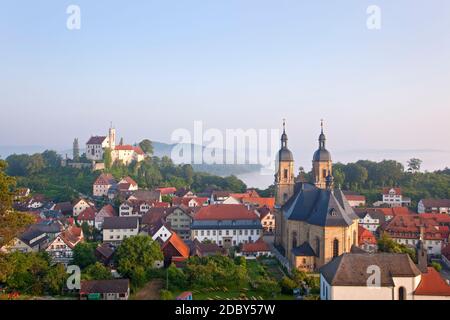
{"points": [[304, 250], [320, 207]]}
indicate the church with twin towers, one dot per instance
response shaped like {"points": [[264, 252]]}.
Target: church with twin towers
{"points": [[314, 221]]}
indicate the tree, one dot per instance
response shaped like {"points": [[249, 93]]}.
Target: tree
{"points": [[55, 279], [146, 146], [36, 164], [135, 256], [51, 159], [17, 164], [177, 278], [96, 271], [76, 150], [414, 165], [121, 142], [7, 184], [355, 174], [107, 159], [84, 254], [386, 244], [166, 295]]}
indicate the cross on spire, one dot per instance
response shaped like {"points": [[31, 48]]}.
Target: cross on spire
{"points": [[321, 125]]}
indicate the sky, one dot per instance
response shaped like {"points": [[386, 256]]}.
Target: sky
{"points": [[152, 67]]}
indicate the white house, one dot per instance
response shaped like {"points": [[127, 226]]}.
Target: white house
{"points": [[226, 225], [80, 205], [60, 249], [105, 212], [394, 198], [116, 229], [381, 276], [102, 185], [31, 240], [434, 206]]}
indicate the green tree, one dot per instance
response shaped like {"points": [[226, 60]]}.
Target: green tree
{"points": [[96, 271], [55, 279], [135, 256], [51, 159], [107, 159], [166, 295], [36, 164], [177, 278], [386, 244], [84, 254], [355, 174], [146, 146], [414, 165]]}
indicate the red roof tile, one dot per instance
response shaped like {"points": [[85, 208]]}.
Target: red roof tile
{"points": [[365, 236], [432, 284], [178, 244], [257, 246], [225, 212], [87, 214]]}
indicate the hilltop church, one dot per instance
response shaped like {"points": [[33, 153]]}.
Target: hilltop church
{"points": [[314, 221]]}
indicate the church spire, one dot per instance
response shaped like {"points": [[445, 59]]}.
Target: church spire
{"points": [[321, 137], [284, 137]]}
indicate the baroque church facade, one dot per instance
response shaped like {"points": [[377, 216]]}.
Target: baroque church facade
{"points": [[314, 221]]}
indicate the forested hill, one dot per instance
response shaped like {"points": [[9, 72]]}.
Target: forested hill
{"points": [[43, 173]]}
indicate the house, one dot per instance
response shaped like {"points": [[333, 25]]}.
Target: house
{"points": [[105, 212], [182, 192], [180, 218], [370, 218], [80, 205], [21, 193], [134, 208], [167, 191], [259, 202], [175, 250], [159, 231], [226, 225], [60, 249], [127, 154], [95, 147], [393, 198], [206, 249], [186, 295], [190, 201], [37, 201], [118, 289], [102, 185], [445, 255], [400, 279], [116, 229], [392, 212], [66, 208], [145, 195], [223, 197], [104, 254], [267, 218], [434, 206], [52, 228], [366, 240], [255, 249], [354, 199], [408, 229], [87, 216], [30, 241]]}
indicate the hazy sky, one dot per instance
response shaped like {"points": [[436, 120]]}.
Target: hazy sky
{"points": [[154, 66]]}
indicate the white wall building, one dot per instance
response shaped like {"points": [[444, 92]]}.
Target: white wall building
{"points": [[116, 229]]}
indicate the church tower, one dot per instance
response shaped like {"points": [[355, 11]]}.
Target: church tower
{"points": [[284, 177], [322, 164], [112, 137]]}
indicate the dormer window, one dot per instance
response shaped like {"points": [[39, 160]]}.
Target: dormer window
{"points": [[333, 212]]}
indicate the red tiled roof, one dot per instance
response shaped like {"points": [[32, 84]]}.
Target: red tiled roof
{"points": [[257, 246], [365, 236], [439, 217], [167, 190], [109, 209], [398, 191], [179, 245], [395, 211], [130, 181], [436, 203], [72, 236], [432, 284], [268, 202], [105, 179], [185, 200], [161, 204], [355, 197], [408, 227], [225, 212], [87, 214]]}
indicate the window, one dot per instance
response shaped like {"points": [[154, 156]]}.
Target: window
{"points": [[294, 239], [318, 246], [324, 173], [335, 248], [285, 173], [401, 293]]}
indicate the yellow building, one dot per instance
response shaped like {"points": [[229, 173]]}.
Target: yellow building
{"points": [[314, 221]]}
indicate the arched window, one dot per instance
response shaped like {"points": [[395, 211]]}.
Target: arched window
{"points": [[335, 248], [294, 239], [401, 293], [354, 237], [318, 246], [285, 173]]}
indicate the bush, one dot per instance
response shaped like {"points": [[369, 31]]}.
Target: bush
{"points": [[166, 295], [437, 266], [288, 285]]}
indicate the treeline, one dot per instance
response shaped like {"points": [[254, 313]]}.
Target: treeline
{"points": [[43, 173], [369, 177]]}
